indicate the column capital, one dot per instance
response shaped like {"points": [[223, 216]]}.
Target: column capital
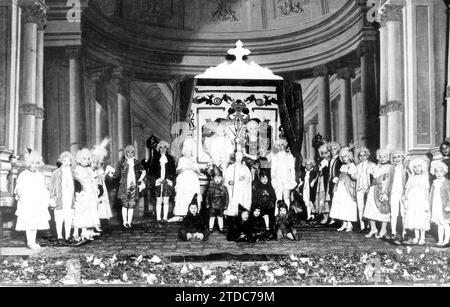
{"points": [[366, 47], [34, 12], [391, 11], [346, 73], [321, 71], [395, 106], [73, 52]]}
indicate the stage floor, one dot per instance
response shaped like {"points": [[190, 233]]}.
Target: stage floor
{"points": [[148, 238]]}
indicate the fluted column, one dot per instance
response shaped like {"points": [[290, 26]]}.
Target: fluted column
{"points": [[345, 120], [367, 118], [383, 84], [75, 99], [312, 132], [392, 15], [39, 87], [324, 111], [32, 16], [123, 111]]}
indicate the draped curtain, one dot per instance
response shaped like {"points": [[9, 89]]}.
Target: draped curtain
{"points": [[291, 113]]}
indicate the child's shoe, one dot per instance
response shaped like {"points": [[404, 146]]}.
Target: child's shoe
{"points": [[342, 228], [371, 234]]}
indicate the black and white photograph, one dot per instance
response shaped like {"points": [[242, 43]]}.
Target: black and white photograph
{"points": [[244, 145]]}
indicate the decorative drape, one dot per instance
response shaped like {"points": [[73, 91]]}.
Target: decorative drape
{"points": [[291, 113]]}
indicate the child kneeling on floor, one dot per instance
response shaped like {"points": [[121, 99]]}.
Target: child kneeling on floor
{"points": [[193, 226], [284, 225]]}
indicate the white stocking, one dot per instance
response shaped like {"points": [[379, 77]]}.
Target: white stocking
{"points": [[124, 216], [166, 207], [31, 237], [446, 233], [220, 222], [211, 222], [59, 220], [440, 234], [158, 208], [266, 220], [130, 215], [393, 224]]}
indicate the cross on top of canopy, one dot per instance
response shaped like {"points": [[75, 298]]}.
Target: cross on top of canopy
{"points": [[239, 69]]}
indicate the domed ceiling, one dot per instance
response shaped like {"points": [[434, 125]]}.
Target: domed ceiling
{"points": [[219, 15]]}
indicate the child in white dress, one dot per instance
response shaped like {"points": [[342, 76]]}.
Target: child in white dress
{"points": [[440, 202], [344, 201], [417, 206], [33, 200], [188, 183]]}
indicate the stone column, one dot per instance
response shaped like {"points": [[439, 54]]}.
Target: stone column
{"points": [[392, 15], [304, 145], [324, 111], [383, 85], [367, 118], [123, 112], [32, 16], [75, 97], [345, 119], [39, 87]]}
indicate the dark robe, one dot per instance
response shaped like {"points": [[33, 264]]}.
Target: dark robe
{"points": [[284, 223], [171, 173], [192, 224], [217, 199], [334, 172], [263, 195], [258, 229], [238, 228]]}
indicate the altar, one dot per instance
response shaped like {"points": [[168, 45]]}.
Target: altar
{"points": [[245, 104]]}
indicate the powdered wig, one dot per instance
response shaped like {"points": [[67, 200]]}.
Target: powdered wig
{"points": [[418, 162], [64, 155], [34, 156], [281, 142], [81, 154], [345, 152], [437, 165], [310, 161], [188, 146], [361, 150], [382, 152], [163, 144], [324, 148], [334, 144], [397, 152]]}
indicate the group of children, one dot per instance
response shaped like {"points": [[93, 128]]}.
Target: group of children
{"points": [[396, 187], [77, 195]]}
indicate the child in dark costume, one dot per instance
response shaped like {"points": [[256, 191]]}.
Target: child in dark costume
{"points": [[284, 225], [193, 225], [257, 225], [264, 196], [216, 199], [240, 230]]}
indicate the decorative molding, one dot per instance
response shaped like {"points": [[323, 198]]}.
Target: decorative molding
{"points": [[395, 106], [346, 73], [34, 13], [391, 12], [31, 109], [224, 12], [287, 8], [383, 110], [321, 71]]}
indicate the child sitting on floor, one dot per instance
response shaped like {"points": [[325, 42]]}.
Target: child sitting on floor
{"points": [[257, 225], [193, 226], [440, 202], [417, 206], [240, 230], [284, 225], [263, 196], [33, 200]]}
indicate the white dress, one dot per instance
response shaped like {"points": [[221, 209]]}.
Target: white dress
{"points": [[417, 204], [241, 192], [33, 201], [86, 214], [344, 203], [187, 186], [283, 172], [103, 207], [371, 210]]}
